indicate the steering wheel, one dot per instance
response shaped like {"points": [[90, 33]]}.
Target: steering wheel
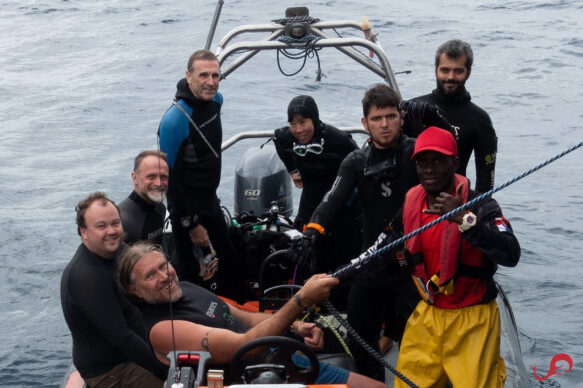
{"points": [[282, 349]]}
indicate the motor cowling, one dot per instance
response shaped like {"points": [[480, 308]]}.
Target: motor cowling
{"points": [[261, 179]]}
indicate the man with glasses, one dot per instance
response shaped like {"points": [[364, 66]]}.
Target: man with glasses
{"points": [[312, 152]]}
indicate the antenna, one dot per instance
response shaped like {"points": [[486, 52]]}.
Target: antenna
{"points": [[209, 39]]}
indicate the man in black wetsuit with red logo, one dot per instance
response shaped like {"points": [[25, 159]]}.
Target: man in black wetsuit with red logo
{"points": [[472, 126], [110, 348]]}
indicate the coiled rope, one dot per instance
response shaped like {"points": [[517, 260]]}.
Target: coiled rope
{"points": [[308, 51], [296, 19]]}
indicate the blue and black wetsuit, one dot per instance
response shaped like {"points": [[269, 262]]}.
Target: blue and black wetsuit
{"points": [[195, 173]]}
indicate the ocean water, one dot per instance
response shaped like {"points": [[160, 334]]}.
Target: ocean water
{"points": [[83, 86]]}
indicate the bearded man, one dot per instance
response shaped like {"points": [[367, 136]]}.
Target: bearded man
{"points": [[143, 211], [472, 126], [201, 321]]}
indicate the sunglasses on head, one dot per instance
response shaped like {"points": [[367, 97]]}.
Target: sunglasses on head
{"points": [[303, 149]]}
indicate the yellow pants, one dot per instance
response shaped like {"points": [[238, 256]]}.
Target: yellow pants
{"points": [[460, 345]]}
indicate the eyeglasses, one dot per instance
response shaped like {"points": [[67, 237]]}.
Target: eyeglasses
{"points": [[303, 149]]}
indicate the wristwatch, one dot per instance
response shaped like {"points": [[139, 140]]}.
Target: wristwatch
{"points": [[468, 222], [189, 222]]}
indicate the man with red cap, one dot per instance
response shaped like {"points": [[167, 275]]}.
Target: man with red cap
{"points": [[454, 332]]}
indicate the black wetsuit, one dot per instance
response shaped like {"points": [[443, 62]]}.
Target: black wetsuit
{"points": [[473, 131], [380, 195], [318, 172], [390, 174], [141, 220], [195, 173], [107, 329]]}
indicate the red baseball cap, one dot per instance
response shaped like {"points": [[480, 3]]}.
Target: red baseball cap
{"points": [[436, 139]]}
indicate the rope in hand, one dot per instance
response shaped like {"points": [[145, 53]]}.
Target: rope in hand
{"points": [[355, 265], [352, 268]]}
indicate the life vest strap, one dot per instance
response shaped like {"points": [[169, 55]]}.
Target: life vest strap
{"points": [[416, 259], [434, 286]]}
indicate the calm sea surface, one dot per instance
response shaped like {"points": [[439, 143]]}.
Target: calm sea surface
{"points": [[83, 86]]}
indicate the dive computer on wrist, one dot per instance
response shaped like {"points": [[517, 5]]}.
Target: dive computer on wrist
{"points": [[468, 222], [189, 222]]}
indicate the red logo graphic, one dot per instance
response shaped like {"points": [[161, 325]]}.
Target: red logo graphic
{"points": [[554, 368]]}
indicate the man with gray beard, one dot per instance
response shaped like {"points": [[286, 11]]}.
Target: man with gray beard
{"points": [[143, 211], [201, 321]]}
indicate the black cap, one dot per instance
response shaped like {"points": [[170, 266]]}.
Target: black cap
{"points": [[305, 106]]}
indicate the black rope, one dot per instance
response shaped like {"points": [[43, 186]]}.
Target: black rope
{"points": [[366, 346], [367, 260], [309, 50], [176, 369], [296, 19]]}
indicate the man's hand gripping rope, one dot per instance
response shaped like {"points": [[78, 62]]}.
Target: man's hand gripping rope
{"points": [[357, 264]]}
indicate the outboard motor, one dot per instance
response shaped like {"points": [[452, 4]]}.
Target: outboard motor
{"points": [[263, 204], [261, 179]]}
